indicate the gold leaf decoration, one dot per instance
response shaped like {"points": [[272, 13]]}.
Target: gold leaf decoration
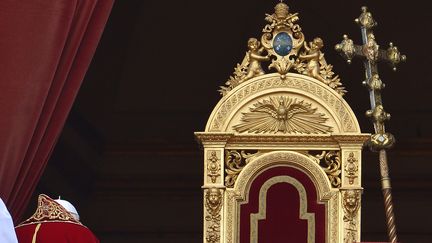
{"points": [[330, 163], [235, 161], [213, 167], [351, 168], [283, 114]]}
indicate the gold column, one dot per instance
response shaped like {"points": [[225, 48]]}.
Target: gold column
{"points": [[213, 185]]}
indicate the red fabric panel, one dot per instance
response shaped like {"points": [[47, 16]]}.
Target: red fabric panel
{"points": [[46, 46], [56, 232], [283, 205], [282, 223]]}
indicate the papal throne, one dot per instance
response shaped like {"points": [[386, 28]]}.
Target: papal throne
{"points": [[282, 148]]}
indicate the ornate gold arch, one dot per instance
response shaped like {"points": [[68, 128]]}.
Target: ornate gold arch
{"points": [[237, 195], [303, 87]]}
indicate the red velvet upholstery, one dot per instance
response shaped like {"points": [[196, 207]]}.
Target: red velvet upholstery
{"points": [[282, 223]]}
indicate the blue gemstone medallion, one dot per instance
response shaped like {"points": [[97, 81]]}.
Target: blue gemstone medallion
{"points": [[282, 44]]}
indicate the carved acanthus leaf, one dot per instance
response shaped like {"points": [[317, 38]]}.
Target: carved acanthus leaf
{"points": [[330, 162], [235, 161]]}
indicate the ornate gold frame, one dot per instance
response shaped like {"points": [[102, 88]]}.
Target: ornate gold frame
{"points": [[284, 149], [278, 158], [294, 117]]}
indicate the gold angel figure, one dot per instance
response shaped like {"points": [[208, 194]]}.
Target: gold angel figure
{"points": [[316, 61], [283, 115], [253, 59], [250, 66]]}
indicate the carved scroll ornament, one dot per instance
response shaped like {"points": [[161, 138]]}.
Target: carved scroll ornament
{"points": [[283, 45]]}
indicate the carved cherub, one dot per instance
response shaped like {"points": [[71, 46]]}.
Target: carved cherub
{"points": [[213, 201], [250, 66], [254, 58], [351, 204], [315, 59]]}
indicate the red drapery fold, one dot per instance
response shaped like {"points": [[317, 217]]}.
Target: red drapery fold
{"points": [[46, 47]]}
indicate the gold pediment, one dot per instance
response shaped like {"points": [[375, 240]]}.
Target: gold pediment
{"points": [[327, 110]]}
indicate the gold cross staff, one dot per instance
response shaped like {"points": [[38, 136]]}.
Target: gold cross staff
{"points": [[380, 140]]}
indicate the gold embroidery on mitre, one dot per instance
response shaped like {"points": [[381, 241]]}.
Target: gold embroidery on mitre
{"points": [[49, 210], [35, 232]]}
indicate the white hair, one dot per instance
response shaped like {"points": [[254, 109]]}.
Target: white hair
{"points": [[69, 207]]}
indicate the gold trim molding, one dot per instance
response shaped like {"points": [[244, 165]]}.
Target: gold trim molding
{"points": [[289, 158], [323, 141], [310, 217]]}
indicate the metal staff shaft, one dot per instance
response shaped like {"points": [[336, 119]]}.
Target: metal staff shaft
{"points": [[387, 194], [380, 140]]}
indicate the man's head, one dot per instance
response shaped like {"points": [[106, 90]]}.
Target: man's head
{"points": [[69, 207]]}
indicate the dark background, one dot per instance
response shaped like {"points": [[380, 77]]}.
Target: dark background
{"points": [[127, 157]]}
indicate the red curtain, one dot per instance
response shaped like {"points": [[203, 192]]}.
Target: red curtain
{"points": [[46, 47]]}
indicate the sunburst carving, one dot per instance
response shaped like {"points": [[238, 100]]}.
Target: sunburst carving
{"points": [[283, 114]]}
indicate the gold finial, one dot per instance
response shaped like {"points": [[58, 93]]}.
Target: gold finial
{"points": [[366, 20], [394, 56], [281, 10]]}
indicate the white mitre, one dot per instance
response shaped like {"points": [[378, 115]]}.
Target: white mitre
{"points": [[69, 207], [7, 230]]}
